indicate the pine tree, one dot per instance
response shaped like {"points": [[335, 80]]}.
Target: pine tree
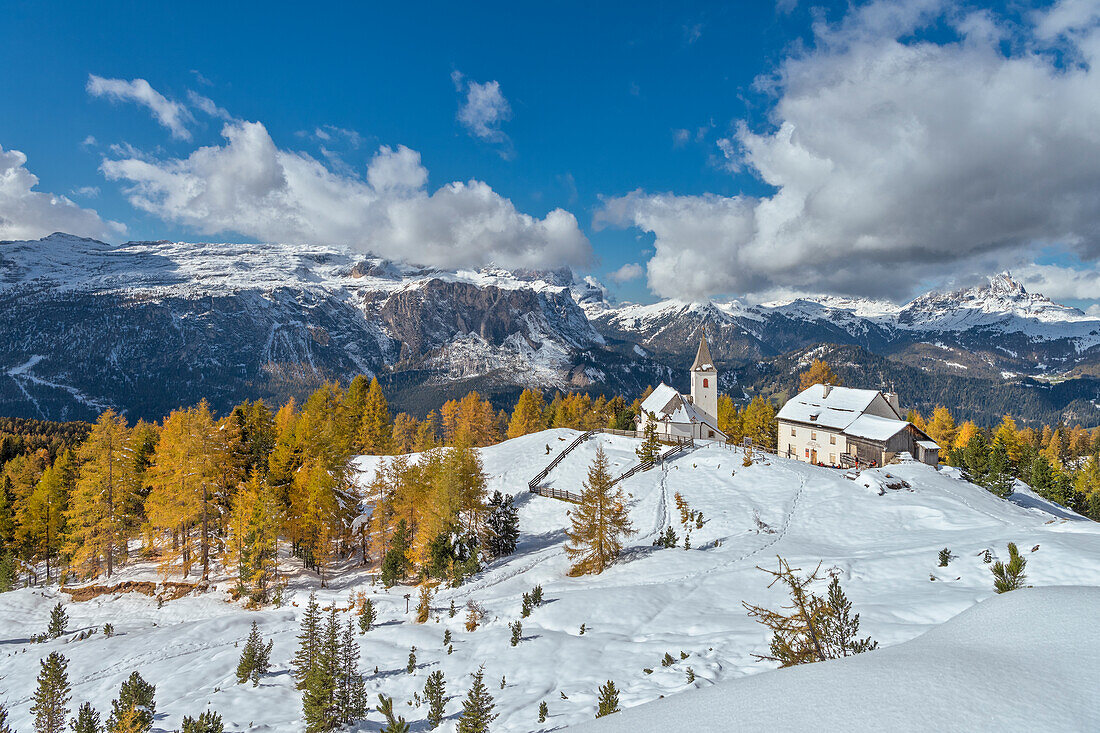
{"points": [[797, 634], [998, 478], [477, 708], [650, 450], [435, 690], [106, 485], [255, 659], [599, 523], [446, 637], [527, 417], [366, 616], [501, 526], [608, 701], [395, 564], [517, 632], [840, 633], [394, 724], [424, 606], [207, 722], [351, 692], [7, 571], [544, 711], [5, 728], [818, 373], [309, 642], [133, 710], [59, 620], [87, 720], [51, 699], [375, 430], [319, 700], [1009, 577], [411, 666]]}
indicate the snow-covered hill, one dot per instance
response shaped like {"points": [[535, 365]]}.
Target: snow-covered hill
{"points": [[883, 543], [1025, 660]]}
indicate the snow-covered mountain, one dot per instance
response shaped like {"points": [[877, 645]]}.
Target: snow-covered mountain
{"points": [[881, 535], [995, 330], [148, 326]]}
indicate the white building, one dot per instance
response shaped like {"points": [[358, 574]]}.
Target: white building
{"points": [[840, 426], [686, 416]]}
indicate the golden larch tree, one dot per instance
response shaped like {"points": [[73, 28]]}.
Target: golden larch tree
{"points": [[599, 522]]}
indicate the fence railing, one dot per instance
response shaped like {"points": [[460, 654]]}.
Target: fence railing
{"points": [[678, 443]]}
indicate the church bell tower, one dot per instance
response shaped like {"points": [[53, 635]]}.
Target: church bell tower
{"points": [[704, 380]]}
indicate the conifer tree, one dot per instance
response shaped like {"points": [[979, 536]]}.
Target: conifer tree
{"points": [[998, 478], [797, 633], [40, 520], [51, 699], [527, 417], [517, 632], [395, 564], [367, 616], [5, 728], [841, 626], [501, 526], [375, 430], [650, 449], [7, 572], [351, 694], [1010, 576], [86, 721], [544, 711], [411, 666], [477, 708], [608, 701], [320, 703], [435, 690], [133, 710], [394, 724], [59, 620], [309, 642], [106, 484], [818, 373], [599, 523], [207, 722], [255, 658], [424, 606]]}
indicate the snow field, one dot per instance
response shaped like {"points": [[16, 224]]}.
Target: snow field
{"points": [[651, 602]]}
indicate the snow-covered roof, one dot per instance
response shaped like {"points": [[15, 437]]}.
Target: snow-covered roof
{"points": [[838, 409], [928, 444], [661, 398], [669, 405], [873, 427]]}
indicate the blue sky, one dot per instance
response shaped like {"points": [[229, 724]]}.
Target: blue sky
{"points": [[569, 106]]}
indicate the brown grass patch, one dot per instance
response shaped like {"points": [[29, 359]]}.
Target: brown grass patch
{"points": [[171, 590]]}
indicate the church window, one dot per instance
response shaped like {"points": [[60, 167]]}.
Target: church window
{"points": [[705, 382]]}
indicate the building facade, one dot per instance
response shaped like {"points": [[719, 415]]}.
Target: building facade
{"points": [[841, 426]]}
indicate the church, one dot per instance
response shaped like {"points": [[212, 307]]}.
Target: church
{"points": [[679, 416]]}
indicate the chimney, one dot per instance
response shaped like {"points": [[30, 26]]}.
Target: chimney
{"points": [[892, 398], [828, 389]]}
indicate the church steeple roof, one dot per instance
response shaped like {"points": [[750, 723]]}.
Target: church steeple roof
{"points": [[703, 362]]}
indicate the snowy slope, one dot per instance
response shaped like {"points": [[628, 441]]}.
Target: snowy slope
{"points": [[1022, 661], [653, 601]]}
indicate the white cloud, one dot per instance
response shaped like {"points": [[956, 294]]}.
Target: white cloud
{"points": [[626, 273], [1060, 283], [252, 187], [29, 214], [1093, 310], [896, 160], [484, 109], [207, 106], [88, 192], [170, 114]]}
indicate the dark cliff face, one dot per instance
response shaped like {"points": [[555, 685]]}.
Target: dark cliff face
{"points": [[431, 315], [145, 357]]}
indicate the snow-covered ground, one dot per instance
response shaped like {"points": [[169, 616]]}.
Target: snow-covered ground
{"points": [[882, 541]]}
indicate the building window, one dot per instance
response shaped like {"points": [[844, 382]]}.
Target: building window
{"points": [[813, 435], [832, 440], [832, 458], [792, 432], [711, 433], [705, 382], [807, 452]]}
